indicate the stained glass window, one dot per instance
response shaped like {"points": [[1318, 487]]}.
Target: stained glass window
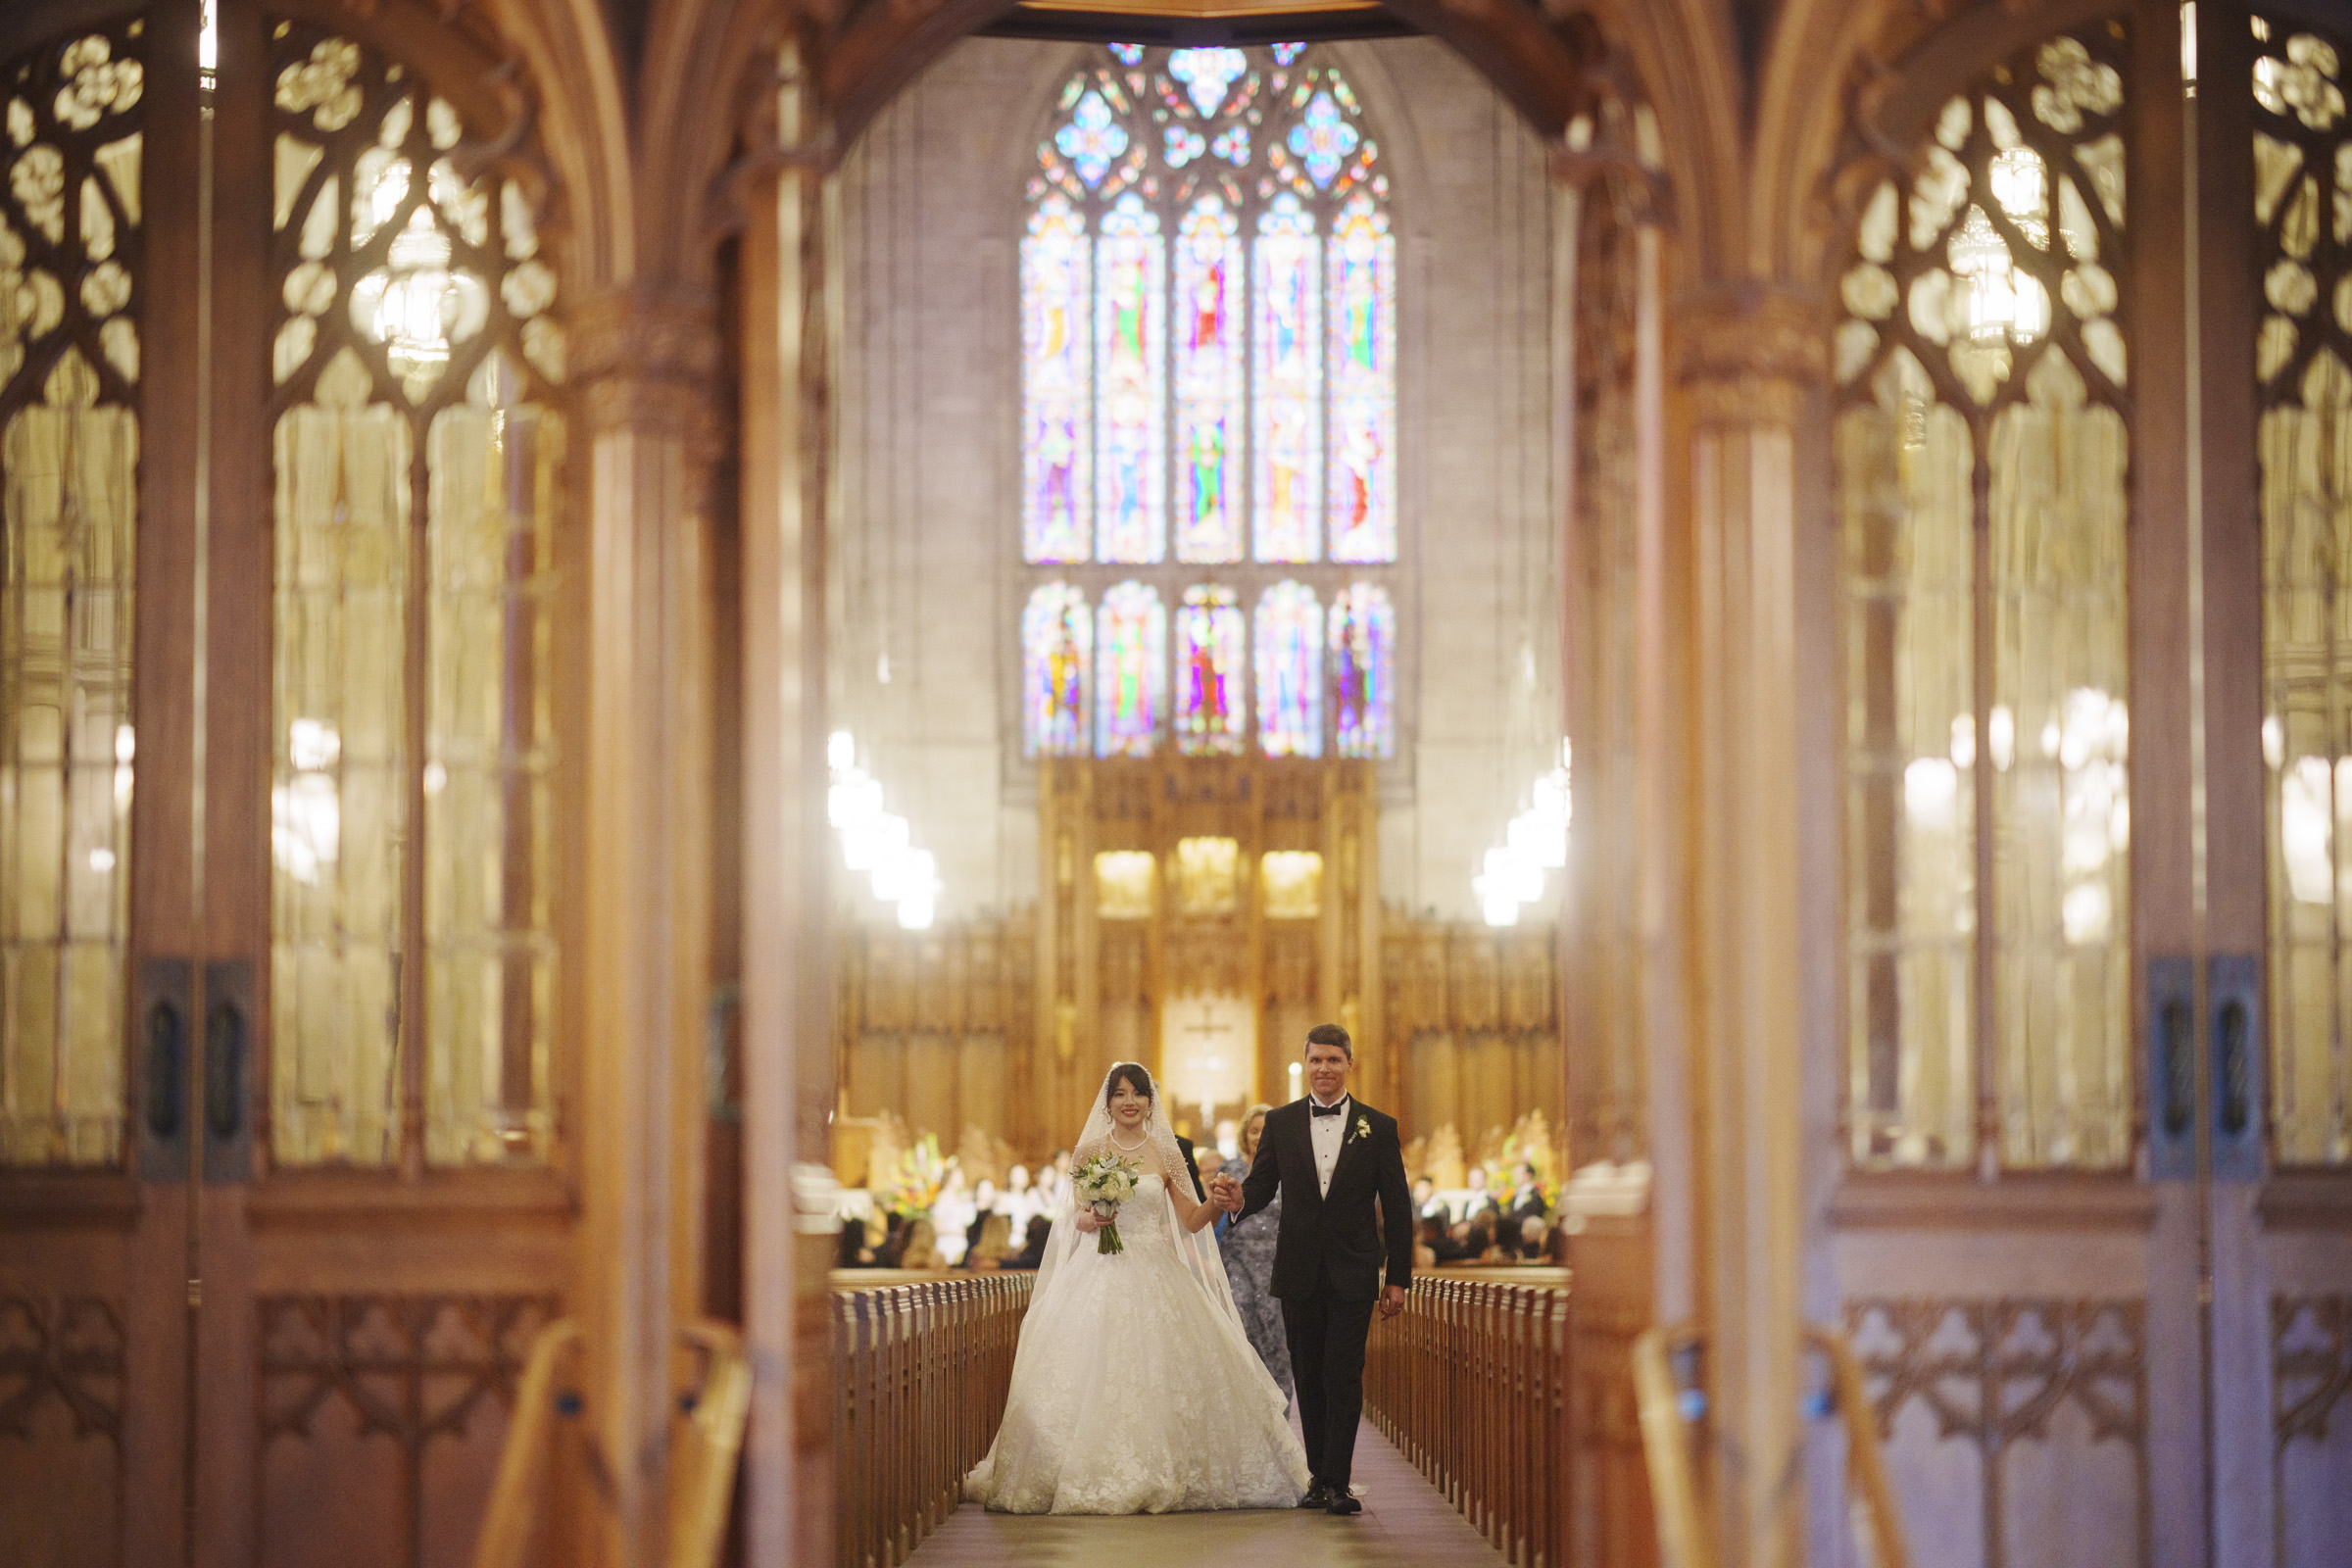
{"points": [[70, 270], [1130, 346], [1131, 636], [1290, 671], [2302, 210], [1363, 641], [1287, 424], [1209, 715], [1998, 357], [1058, 445], [1208, 285], [1057, 641], [437, 340], [1363, 385], [1211, 386]]}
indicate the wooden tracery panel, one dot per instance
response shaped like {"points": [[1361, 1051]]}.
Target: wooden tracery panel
{"points": [[2302, 211], [70, 276], [1982, 447], [420, 465]]}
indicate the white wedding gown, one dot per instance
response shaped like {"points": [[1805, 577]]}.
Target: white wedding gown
{"points": [[1135, 1391]]}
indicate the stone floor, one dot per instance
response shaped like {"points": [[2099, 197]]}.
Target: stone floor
{"points": [[1405, 1524]]}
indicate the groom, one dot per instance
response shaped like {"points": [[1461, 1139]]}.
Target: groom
{"points": [[1330, 1156]]}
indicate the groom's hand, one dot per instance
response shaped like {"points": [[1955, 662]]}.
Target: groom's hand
{"points": [[1392, 1301]]}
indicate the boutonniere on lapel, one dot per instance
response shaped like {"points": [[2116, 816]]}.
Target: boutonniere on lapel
{"points": [[1364, 1127]]}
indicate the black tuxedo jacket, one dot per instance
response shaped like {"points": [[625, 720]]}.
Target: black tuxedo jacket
{"points": [[1192, 1166], [1334, 1243]]}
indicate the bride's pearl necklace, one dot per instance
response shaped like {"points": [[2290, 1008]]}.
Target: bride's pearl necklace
{"points": [[1128, 1148]]}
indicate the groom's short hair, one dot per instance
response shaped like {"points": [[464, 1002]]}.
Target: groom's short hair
{"points": [[1331, 1034]]}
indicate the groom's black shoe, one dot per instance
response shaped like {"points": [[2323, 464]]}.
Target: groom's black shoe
{"points": [[1317, 1496], [1342, 1503]]}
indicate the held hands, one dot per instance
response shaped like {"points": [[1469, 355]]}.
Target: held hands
{"points": [[1225, 1192]]}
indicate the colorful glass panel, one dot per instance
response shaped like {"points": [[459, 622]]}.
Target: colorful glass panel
{"points": [[1363, 385], [1290, 671], [1211, 386], [1091, 139], [1363, 657], [1131, 652], [1206, 73], [1130, 353], [1287, 435], [1208, 673], [1323, 139], [1056, 423], [1208, 340], [1057, 641]]}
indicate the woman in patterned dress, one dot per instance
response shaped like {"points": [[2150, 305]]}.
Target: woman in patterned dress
{"points": [[1249, 1252]]}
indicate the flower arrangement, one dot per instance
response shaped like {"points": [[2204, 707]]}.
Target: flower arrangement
{"points": [[1103, 1182], [914, 1186]]}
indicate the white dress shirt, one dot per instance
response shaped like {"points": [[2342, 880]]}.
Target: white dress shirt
{"points": [[1330, 1133]]}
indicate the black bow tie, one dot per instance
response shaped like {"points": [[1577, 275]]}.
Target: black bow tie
{"points": [[1327, 1110]]}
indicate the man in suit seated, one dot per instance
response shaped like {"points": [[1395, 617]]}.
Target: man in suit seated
{"points": [[1527, 1197]]}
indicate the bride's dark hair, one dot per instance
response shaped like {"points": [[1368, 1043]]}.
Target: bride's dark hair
{"points": [[1132, 1075]]}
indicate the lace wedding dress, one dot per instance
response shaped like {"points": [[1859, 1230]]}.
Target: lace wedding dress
{"points": [[1135, 1390]]}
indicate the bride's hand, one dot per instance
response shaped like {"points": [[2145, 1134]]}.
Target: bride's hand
{"points": [[1087, 1223]]}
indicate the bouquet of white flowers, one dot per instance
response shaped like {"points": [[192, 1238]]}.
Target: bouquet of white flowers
{"points": [[1104, 1182]]}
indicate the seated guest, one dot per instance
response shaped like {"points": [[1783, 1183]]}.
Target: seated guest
{"points": [[855, 1253], [986, 1201], [1020, 1199], [1425, 1199], [1527, 1196], [1556, 1245], [894, 1242], [951, 1214], [1429, 1234], [1530, 1239], [990, 1248], [1033, 1251], [922, 1246], [1478, 1245], [1451, 1243]]}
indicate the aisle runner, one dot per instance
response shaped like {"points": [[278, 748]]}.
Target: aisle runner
{"points": [[1405, 1524]]}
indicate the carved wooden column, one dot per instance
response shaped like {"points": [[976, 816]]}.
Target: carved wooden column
{"points": [[643, 363], [790, 1065], [1623, 953], [1753, 369], [1067, 993]]}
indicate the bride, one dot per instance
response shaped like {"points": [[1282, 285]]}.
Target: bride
{"points": [[1135, 1389]]}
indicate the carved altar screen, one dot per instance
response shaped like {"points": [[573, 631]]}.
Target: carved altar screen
{"points": [[1208, 425], [70, 271], [418, 471], [2302, 210], [1981, 477]]}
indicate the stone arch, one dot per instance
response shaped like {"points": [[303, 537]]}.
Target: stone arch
{"points": [[1679, 58]]}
